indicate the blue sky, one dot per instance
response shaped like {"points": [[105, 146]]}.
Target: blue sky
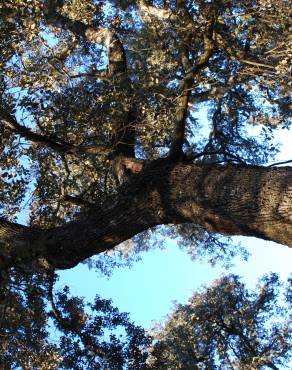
{"points": [[148, 289]]}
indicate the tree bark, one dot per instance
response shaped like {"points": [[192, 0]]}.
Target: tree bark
{"points": [[231, 200]]}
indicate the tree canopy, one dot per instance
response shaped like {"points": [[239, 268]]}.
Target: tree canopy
{"points": [[118, 117], [97, 98], [226, 326]]}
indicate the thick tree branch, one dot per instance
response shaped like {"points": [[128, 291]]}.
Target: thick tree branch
{"points": [[124, 138], [183, 101], [231, 200], [146, 12], [53, 143]]}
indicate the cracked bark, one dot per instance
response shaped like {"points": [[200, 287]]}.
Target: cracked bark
{"points": [[231, 200]]}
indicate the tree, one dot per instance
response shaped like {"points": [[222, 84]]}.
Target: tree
{"points": [[226, 327], [101, 139], [95, 95]]}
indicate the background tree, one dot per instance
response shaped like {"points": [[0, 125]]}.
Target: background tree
{"points": [[225, 326], [101, 140]]}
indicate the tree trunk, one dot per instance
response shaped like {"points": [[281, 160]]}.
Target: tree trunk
{"points": [[231, 200]]}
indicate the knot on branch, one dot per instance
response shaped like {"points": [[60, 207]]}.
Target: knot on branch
{"points": [[124, 168]]}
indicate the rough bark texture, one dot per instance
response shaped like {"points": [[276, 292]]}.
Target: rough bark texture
{"points": [[231, 200]]}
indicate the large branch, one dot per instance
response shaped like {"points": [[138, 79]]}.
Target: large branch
{"points": [[116, 54], [176, 148], [124, 138], [51, 142], [231, 200]]}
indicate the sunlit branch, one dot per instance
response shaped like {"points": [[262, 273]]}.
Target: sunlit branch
{"points": [[123, 137], [78, 201], [147, 11]]}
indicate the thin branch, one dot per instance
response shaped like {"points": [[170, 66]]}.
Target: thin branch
{"points": [[256, 64], [68, 325], [215, 152], [231, 48], [277, 163]]}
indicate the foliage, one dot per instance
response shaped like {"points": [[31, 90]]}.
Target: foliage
{"points": [[222, 326], [225, 326], [43, 330]]}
